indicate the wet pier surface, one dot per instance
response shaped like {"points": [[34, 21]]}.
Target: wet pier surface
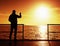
{"points": [[29, 43]]}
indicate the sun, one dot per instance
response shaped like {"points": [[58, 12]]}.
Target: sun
{"points": [[42, 12]]}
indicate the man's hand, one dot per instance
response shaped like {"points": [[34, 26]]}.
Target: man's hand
{"points": [[20, 14]]}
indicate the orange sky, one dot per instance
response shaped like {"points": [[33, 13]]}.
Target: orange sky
{"points": [[27, 8]]}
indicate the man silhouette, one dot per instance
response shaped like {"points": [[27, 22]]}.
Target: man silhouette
{"points": [[13, 19]]}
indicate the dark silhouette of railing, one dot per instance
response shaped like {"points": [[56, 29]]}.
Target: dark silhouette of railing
{"points": [[53, 32], [5, 28], [48, 33]]}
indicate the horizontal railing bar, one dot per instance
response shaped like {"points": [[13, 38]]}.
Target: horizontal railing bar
{"points": [[9, 32], [53, 24], [21, 31], [28, 40], [54, 32], [10, 24]]}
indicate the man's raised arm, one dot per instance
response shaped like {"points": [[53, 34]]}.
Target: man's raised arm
{"points": [[19, 15]]}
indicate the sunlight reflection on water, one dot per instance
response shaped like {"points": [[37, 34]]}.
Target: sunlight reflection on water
{"points": [[43, 43], [43, 31], [36, 43]]}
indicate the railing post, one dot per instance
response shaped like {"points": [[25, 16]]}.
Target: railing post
{"points": [[23, 32], [48, 31]]}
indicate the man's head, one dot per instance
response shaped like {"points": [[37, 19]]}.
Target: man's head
{"points": [[13, 11]]}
